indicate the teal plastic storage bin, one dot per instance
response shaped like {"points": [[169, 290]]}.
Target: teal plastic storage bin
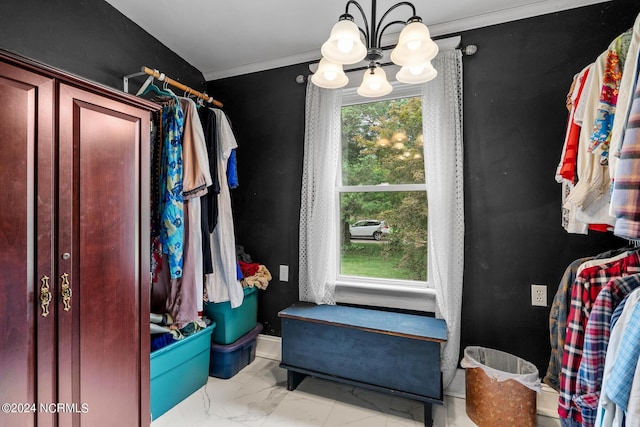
{"points": [[179, 370], [228, 360], [232, 323]]}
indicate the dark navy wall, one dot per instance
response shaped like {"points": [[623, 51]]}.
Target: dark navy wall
{"points": [[266, 110], [514, 124], [88, 38], [514, 88]]}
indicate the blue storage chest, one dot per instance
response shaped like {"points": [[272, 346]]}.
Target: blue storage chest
{"points": [[228, 360], [232, 323], [178, 370]]}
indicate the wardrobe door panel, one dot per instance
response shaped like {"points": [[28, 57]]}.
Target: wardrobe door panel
{"points": [[104, 217], [27, 374]]}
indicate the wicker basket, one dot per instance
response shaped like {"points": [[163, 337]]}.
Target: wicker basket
{"points": [[492, 402]]}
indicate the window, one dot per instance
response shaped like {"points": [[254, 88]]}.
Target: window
{"points": [[382, 200]]}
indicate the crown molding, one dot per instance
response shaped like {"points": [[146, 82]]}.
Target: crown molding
{"points": [[507, 15]]}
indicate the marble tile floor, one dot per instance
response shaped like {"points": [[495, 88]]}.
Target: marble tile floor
{"points": [[257, 396]]}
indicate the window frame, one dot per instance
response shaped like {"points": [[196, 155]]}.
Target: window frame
{"points": [[391, 293]]}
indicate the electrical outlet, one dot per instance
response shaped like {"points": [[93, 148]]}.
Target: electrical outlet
{"points": [[539, 295], [284, 273]]}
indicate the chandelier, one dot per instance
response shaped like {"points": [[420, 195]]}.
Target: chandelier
{"points": [[349, 44]]}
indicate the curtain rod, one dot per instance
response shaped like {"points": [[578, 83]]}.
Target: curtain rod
{"points": [[164, 78]]}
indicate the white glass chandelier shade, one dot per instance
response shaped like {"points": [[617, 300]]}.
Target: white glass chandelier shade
{"points": [[374, 83], [417, 74], [344, 45], [415, 46], [329, 75]]}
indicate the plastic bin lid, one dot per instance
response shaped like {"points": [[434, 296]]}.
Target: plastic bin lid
{"points": [[240, 342]]}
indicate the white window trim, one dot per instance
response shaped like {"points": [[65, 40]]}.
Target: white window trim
{"points": [[391, 293]]}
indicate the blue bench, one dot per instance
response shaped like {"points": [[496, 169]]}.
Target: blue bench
{"points": [[394, 353]]}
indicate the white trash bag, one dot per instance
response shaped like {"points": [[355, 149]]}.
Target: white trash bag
{"points": [[502, 366]]}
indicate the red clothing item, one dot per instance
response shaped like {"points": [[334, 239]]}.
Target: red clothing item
{"points": [[584, 292], [569, 161], [248, 268]]}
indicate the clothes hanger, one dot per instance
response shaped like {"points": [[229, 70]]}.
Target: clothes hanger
{"points": [[145, 85], [165, 88], [149, 88]]}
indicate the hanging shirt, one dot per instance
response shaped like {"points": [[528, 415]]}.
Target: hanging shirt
{"points": [[210, 127], [558, 323], [609, 413], [223, 284], [232, 170], [584, 292], [209, 202], [601, 135], [186, 291], [196, 171], [172, 209], [560, 309], [625, 94], [625, 199], [596, 339], [622, 373], [566, 172], [589, 199]]}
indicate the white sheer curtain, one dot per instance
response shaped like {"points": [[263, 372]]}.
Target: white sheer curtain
{"points": [[442, 130], [442, 123], [318, 220]]}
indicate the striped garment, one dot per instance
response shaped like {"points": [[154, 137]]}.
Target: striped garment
{"points": [[584, 292], [596, 339], [619, 385], [558, 322], [618, 312], [625, 198]]}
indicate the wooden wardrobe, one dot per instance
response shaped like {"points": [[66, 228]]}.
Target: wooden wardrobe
{"points": [[74, 250]]}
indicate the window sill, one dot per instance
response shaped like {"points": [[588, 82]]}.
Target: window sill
{"points": [[387, 295]]}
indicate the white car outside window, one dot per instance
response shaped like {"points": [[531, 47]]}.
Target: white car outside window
{"points": [[369, 229]]}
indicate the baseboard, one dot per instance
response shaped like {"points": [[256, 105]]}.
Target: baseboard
{"points": [[456, 388], [270, 347], [548, 402]]}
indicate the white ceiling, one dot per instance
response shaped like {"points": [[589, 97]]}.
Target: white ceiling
{"points": [[225, 38]]}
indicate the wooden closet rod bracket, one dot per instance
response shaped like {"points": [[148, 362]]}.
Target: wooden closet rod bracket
{"points": [[163, 78]]}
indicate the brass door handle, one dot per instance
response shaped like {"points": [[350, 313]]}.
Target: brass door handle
{"points": [[65, 291], [45, 295]]}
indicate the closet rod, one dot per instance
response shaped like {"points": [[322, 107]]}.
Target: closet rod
{"points": [[163, 78]]}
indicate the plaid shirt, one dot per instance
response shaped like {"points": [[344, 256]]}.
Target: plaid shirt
{"points": [[584, 292], [558, 323], [625, 197], [622, 374], [596, 339]]}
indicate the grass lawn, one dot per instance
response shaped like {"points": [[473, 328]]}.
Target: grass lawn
{"points": [[369, 260]]}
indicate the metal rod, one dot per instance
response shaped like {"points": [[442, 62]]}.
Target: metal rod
{"points": [[367, 35], [384, 29], [395, 6], [373, 33], [374, 25], [162, 77]]}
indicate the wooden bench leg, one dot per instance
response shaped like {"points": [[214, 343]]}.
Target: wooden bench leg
{"points": [[428, 417], [294, 379]]}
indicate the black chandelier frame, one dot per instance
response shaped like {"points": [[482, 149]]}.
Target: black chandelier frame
{"points": [[373, 33]]}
